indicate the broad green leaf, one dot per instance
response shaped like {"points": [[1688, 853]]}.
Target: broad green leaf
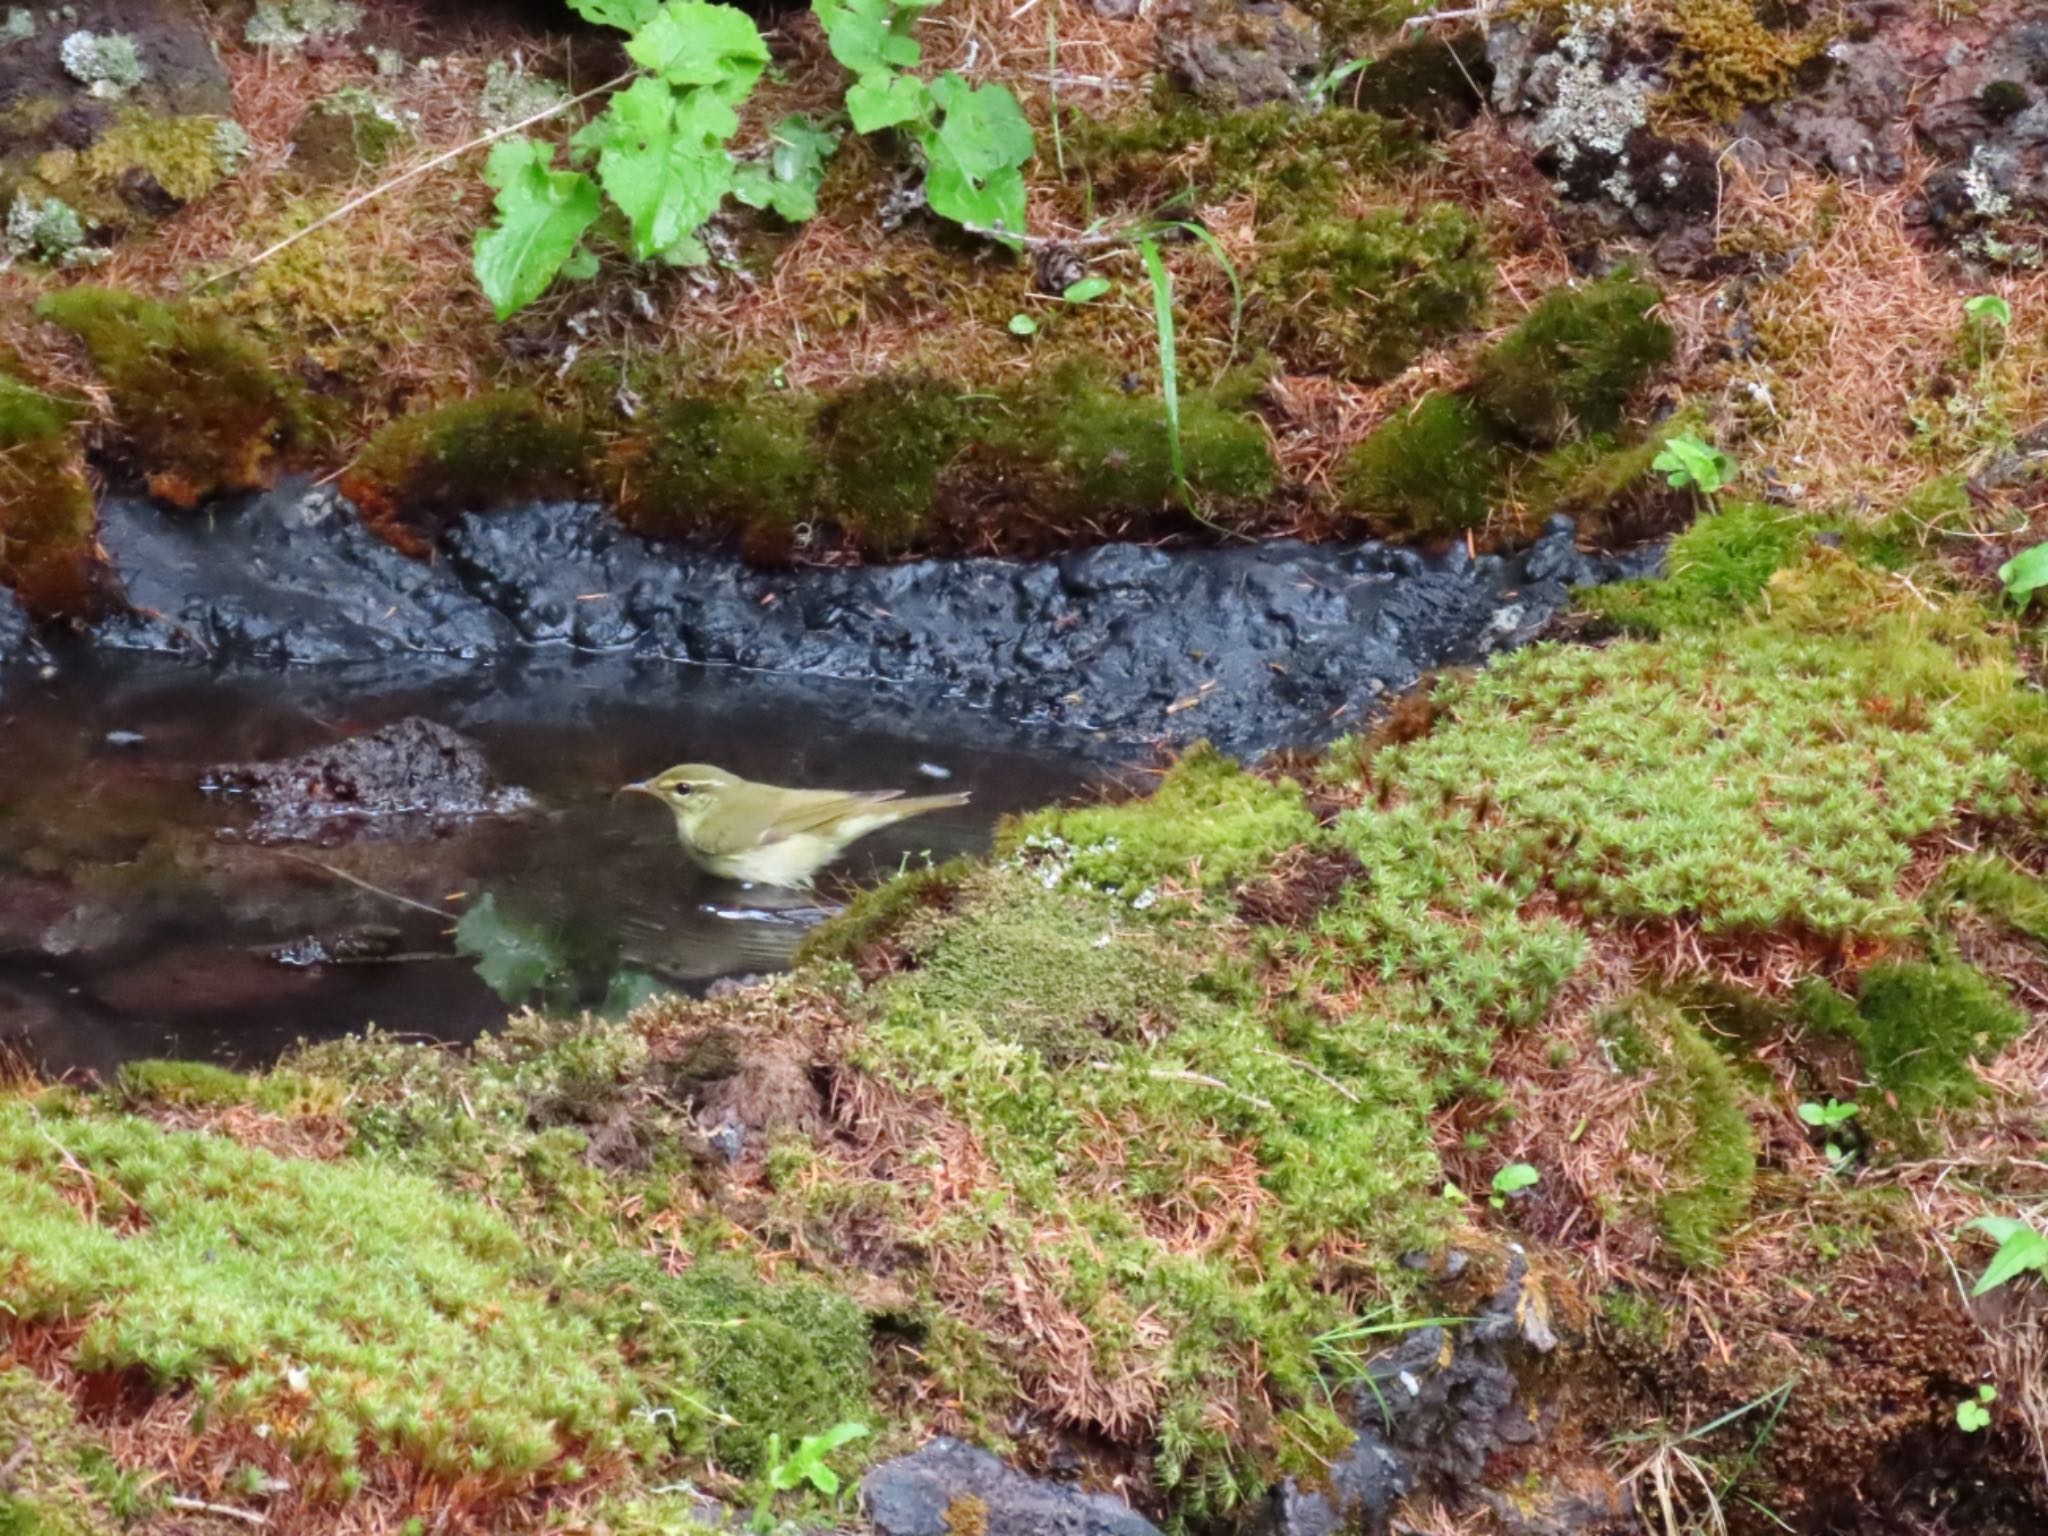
{"points": [[1971, 1416], [1988, 309], [995, 207], [788, 184], [870, 37], [824, 1479], [626, 15], [2025, 574], [2020, 1248], [512, 959], [982, 127], [542, 216], [875, 102], [1515, 1178], [662, 159], [1023, 325], [692, 42], [1086, 291]]}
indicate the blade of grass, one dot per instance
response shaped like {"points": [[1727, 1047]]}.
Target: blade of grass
{"points": [[1169, 366]]}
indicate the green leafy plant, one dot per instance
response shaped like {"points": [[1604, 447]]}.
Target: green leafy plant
{"points": [[2025, 574], [1825, 1117], [805, 1464], [659, 150], [1689, 462], [1974, 1413], [975, 139], [1510, 1181], [1086, 291], [2021, 1247]]}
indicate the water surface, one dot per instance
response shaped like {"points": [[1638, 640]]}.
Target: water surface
{"points": [[134, 921]]}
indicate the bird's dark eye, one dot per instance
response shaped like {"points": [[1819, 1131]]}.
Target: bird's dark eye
{"points": [[680, 789]]}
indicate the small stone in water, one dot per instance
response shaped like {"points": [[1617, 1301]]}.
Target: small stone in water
{"points": [[934, 771], [125, 738]]}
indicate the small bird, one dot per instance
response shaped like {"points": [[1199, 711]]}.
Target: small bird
{"points": [[767, 835]]}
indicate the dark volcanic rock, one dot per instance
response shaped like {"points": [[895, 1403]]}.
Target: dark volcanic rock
{"points": [[409, 779], [948, 1487], [1247, 646], [1442, 1404]]}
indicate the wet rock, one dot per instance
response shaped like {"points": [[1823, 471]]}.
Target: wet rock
{"points": [[948, 1487], [1247, 646], [46, 108], [1442, 1403], [1239, 53], [14, 630], [407, 780]]}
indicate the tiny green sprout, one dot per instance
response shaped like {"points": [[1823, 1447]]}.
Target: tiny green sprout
{"points": [[1988, 309], [1974, 1413], [1023, 325], [1512, 1180], [1086, 291], [1826, 1116], [2020, 1248], [2025, 574], [1689, 462], [805, 1464]]}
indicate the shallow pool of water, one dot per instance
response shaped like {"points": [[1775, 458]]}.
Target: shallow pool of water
{"points": [[136, 921]]}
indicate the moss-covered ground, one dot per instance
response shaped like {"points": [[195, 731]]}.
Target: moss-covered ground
{"points": [[1113, 1140]]}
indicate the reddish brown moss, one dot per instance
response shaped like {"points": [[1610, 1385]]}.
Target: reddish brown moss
{"points": [[48, 552], [201, 411], [422, 471]]}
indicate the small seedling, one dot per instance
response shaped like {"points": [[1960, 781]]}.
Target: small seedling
{"points": [[805, 1464], [1826, 1117], [2025, 574], [1086, 291], [1689, 462], [1512, 1180], [2020, 1248], [1988, 309], [1974, 1413], [1023, 325]]}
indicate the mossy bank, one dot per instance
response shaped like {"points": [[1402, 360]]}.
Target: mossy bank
{"points": [[1126, 1137]]}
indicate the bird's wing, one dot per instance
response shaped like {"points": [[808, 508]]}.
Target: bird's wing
{"points": [[760, 817]]}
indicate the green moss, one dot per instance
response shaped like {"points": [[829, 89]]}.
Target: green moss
{"points": [[723, 467], [1024, 962], [884, 443], [48, 554], [1922, 1027], [1999, 889], [1697, 1131], [1714, 570], [1574, 361], [1635, 1319], [1775, 776], [60, 1481], [737, 1357], [198, 403], [345, 132], [1364, 297], [1206, 826], [877, 913], [1728, 59], [509, 445], [1610, 488], [1291, 157], [1432, 469], [406, 1328], [201, 1085], [1107, 452], [180, 154]]}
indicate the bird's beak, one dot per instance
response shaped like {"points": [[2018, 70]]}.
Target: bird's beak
{"points": [[640, 787]]}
